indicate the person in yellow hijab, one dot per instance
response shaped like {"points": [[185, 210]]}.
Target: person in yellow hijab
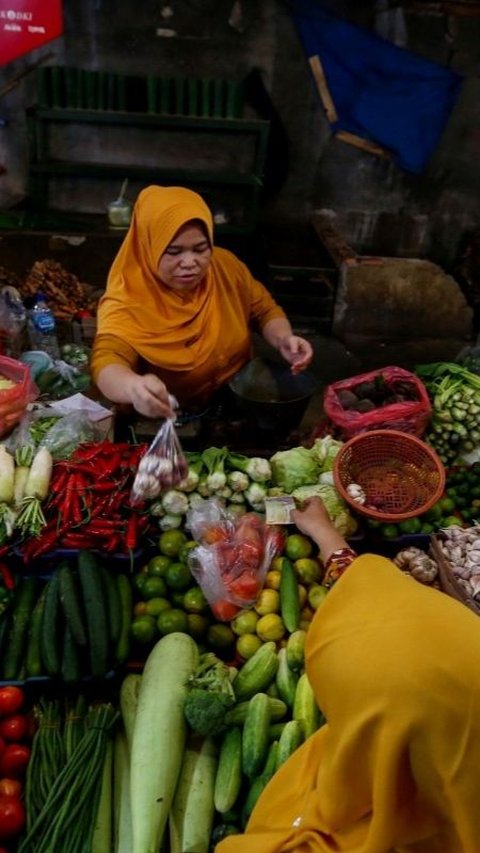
{"points": [[177, 314], [394, 666]]}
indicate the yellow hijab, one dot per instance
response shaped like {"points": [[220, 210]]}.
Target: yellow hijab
{"points": [[155, 320], [395, 667]]}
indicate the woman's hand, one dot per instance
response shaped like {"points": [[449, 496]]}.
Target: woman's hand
{"points": [[150, 397], [314, 520], [297, 351]]}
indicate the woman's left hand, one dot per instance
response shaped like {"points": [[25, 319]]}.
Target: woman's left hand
{"points": [[297, 351]]}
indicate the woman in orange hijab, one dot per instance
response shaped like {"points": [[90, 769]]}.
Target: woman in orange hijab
{"points": [[394, 666], [177, 314]]}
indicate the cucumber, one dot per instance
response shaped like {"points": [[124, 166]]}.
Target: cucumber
{"points": [[286, 679], [275, 730], [191, 814], [122, 649], [255, 741], [33, 659], [50, 635], [290, 739], [296, 650], [238, 714], [228, 780], [260, 783], [95, 609], [305, 708], [70, 600], [257, 673], [71, 668], [25, 600], [113, 602], [289, 597]]}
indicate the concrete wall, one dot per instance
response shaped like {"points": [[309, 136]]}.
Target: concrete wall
{"points": [[379, 208]]}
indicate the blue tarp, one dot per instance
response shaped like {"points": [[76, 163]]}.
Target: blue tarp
{"points": [[381, 92]]}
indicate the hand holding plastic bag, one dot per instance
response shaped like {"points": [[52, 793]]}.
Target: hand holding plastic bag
{"points": [[232, 557], [162, 467]]}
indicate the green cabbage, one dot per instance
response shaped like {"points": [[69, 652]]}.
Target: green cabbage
{"points": [[294, 468], [324, 451], [335, 506]]}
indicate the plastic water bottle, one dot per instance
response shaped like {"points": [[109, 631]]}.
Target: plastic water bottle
{"points": [[41, 328]]}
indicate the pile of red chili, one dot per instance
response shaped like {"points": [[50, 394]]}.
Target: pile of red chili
{"points": [[89, 504]]}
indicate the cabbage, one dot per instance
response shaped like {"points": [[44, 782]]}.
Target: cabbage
{"points": [[294, 468], [324, 451], [335, 506]]}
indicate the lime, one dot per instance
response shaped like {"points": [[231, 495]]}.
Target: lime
{"points": [[177, 597], [316, 595], [171, 542], [272, 579], [197, 625], [307, 570], [178, 576], [194, 600], [270, 627], [154, 588], [140, 608], [434, 513], [267, 601], [247, 645], [143, 629], [447, 505], [220, 637], [172, 620], [297, 546], [451, 521], [410, 525], [139, 580], [390, 531], [157, 566], [185, 550], [245, 622], [156, 606], [427, 528]]}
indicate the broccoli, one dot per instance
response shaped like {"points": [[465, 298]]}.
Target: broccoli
{"points": [[210, 695]]}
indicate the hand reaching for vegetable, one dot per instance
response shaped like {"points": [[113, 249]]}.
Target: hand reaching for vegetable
{"points": [[150, 397], [297, 351], [314, 521]]}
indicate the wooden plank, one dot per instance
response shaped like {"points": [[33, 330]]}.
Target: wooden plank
{"points": [[322, 88], [335, 244], [364, 144]]}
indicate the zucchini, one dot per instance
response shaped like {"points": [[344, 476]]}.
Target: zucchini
{"points": [[296, 650], [102, 831], [129, 691], [50, 638], [238, 714], [121, 794], [289, 597], [228, 780], [255, 740], [286, 679], [70, 600], [71, 667], [191, 814], [159, 735], [95, 609], [25, 600], [257, 673], [290, 739], [33, 659], [122, 649], [305, 708]]}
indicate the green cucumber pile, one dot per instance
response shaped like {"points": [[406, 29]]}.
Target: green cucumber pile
{"points": [[74, 625]]}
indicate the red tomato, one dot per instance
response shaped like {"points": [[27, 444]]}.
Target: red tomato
{"points": [[14, 760], [11, 700], [246, 587], [10, 787], [12, 817], [224, 610], [14, 728]]}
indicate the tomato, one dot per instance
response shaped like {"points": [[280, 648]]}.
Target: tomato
{"points": [[14, 760], [12, 817], [10, 787], [11, 700], [14, 728], [245, 587]]}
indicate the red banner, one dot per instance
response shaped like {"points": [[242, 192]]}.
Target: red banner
{"points": [[26, 25]]}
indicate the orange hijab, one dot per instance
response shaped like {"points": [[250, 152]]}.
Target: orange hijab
{"points": [[394, 666], [137, 307]]}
